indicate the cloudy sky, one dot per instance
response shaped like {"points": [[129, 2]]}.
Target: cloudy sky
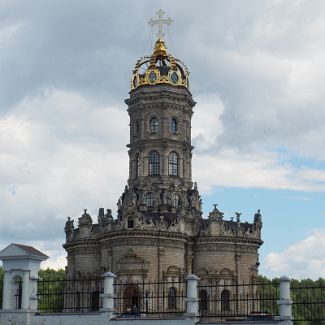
{"points": [[257, 70]]}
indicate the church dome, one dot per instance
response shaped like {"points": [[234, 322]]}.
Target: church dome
{"points": [[160, 68]]}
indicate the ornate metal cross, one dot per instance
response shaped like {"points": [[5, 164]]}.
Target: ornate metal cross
{"points": [[160, 21]]}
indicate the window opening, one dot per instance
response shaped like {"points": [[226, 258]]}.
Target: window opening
{"points": [[173, 126], [150, 199], [154, 163], [173, 164], [172, 298], [154, 125], [225, 300]]}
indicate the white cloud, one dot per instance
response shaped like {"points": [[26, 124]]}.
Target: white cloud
{"points": [[304, 259], [59, 154], [206, 124], [259, 169]]}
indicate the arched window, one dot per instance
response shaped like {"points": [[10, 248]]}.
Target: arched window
{"points": [[173, 164], [203, 300], [175, 201], [137, 161], [150, 199], [172, 298], [225, 300], [173, 126], [154, 125], [154, 163], [130, 222]]}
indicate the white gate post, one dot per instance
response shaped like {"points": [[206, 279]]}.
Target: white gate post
{"points": [[25, 290], [6, 295], [108, 296], [33, 293], [285, 302], [192, 300]]}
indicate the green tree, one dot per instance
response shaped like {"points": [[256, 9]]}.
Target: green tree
{"points": [[51, 290], [308, 298], [1, 285]]}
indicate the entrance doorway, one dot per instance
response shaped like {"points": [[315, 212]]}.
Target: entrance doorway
{"points": [[131, 299]]}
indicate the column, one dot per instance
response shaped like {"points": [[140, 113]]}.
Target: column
{"points": [[33, 293], [108, 296], [192, 300], [285, 302], [25, 291], [6, 297]]}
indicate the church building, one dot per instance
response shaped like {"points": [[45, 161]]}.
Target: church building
{"points": [[160, 232]]}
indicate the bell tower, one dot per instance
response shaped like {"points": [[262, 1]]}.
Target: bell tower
{"points": [[160, 107]]}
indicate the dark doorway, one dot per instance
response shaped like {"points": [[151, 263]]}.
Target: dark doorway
{"points": [[225, 300], [95, 300], [131, 299], [203, 300]]}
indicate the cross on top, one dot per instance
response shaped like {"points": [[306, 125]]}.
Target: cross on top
{"points": [[160, 21]]}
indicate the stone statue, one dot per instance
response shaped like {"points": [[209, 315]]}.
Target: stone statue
{"points": [[102, 218], [143, 199], [193, 201], [85, 219], [258, 216], [133, 198], [119, 204], [165, 198], [109, 214], [69, 227], [238, 216]]}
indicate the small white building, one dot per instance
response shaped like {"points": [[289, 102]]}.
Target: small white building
{"points": [[21, 264]]}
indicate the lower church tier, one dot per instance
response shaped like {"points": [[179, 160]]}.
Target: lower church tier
{"points": [[164, 246]]}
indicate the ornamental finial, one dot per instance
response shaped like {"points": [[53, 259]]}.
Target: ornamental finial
{"points": [[160, 21]]}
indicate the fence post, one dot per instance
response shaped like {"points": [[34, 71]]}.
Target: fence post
{"points": [[108, 295], [25, 290], [285, 302], [6, 294], [192, 300], [33, 293]]}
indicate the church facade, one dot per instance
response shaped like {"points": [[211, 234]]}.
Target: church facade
{"points": [[160, 232]]}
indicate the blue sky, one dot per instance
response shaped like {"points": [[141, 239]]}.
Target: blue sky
{"points": [[257, 75]]}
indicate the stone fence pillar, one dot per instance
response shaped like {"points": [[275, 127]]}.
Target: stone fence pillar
{"points": [[108, 295], [6, 294], [33, 293], [25, 290], [192, 300], [285, 302]]}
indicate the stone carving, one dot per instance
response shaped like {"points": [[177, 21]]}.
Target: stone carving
{"points": [[165, 198], [258, 217], [85, 224], [85, 219], [69, 228], [102, 218]]}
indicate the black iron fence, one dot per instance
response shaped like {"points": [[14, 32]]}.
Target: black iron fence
{"points": [[308, 302], [1, 288], [240, 301], [159, 298], [69, 295], [221, 300]]}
